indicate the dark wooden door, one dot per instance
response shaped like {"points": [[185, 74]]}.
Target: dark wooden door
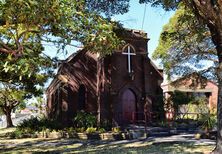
{"points": [[128, 105]]}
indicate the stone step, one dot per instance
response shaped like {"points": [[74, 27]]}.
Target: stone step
{"points": [[159, 134], [139, 131]]}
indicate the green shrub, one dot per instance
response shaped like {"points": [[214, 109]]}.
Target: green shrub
{"points": [[116, 129], [20, 134], [70, 130], [35, 124], [208, 121], [101, 130], [83, 119], [80, 130], [90, 130]]}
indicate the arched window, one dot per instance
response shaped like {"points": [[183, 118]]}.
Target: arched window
{"points": [[129, 51], [81, 98]]}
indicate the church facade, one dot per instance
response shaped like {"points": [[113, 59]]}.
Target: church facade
{"points": [[114, 87]]}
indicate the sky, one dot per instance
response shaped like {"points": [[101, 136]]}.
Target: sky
{"points": [[154, 20]]}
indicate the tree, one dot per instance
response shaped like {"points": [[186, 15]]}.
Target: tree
{"points": [[185, 47], [59, 22], [10, 97], [209, 13], [23, 77]]}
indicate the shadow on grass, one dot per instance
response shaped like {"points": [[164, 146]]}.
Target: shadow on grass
{"points": [[162, 148], [37, 145], [77, 146], [3, 131], [42, 145]]}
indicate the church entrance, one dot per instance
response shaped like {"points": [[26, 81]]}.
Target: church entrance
{"points": [[128, 105]]}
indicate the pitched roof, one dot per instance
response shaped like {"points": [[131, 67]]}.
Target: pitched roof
{"points": [[197, 84]]}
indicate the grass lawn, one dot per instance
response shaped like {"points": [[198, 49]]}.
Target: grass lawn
{"points": [[41, 145]]}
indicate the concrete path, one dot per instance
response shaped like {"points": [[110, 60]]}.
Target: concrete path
{"points": [[185, 138], [182, 138]]}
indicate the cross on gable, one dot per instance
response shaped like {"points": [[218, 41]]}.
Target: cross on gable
{"points": [[129, 54]]}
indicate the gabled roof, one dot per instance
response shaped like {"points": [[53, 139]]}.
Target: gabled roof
{"points": [[67, 60], [198, 83], [156, 68]]}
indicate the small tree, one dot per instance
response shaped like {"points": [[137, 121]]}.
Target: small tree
{"points": [[10, 97]]}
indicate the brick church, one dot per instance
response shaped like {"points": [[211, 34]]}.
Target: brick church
{"points": [[114, 87]]}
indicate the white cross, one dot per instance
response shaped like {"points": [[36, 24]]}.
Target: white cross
{"points": [[129, 54]]}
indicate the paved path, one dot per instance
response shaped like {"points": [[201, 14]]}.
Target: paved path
{"points": [[185, 138]]}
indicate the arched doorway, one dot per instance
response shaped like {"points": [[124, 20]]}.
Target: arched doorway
{"points": [[128, 105]]}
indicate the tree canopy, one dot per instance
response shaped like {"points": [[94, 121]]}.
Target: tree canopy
{"points": [[59, 22], [27, 72], [185, 46]]}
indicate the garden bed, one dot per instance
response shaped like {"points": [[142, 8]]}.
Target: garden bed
{"points": [[82, 136]]}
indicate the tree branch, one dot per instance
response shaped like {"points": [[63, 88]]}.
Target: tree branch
{"points": [[27, 31], [3, 50], [15, 104]]}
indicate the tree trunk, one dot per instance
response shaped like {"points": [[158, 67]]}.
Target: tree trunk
{"points": [[218, 149], [8, 118]]}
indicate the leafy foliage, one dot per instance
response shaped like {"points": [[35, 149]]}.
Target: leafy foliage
{"points": [[189, 102], [165, 4], [158, 107], [209, 121], [109, 8], [185, 46], [43, 123], [180, 98], [91, 130], [84, 120], [1, 112], [30, 127], [22, 77], [10, 97], [28, 72], [59, 22]]}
